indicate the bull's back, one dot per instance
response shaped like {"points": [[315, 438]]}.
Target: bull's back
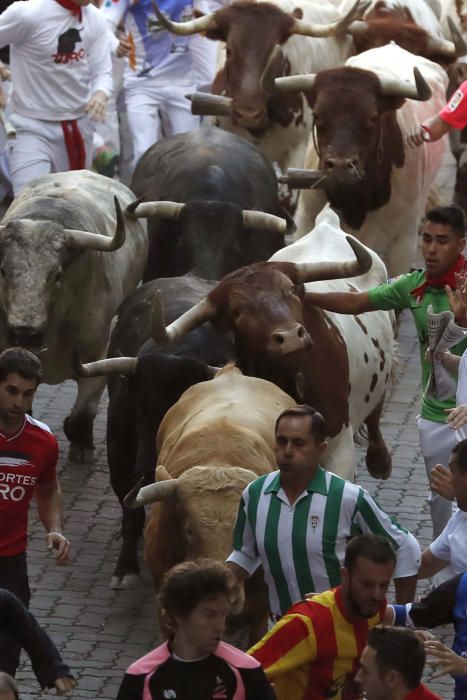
{"points": [[231, 401]]}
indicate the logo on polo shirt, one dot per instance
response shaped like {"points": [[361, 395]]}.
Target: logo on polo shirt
{"points": [[314, 521]]}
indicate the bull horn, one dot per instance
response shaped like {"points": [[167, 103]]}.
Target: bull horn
{"points": [[113, 365], [160, 491], [272, 70], [295, 83], [457, 39], [204, 103], [203, 311], [392, 87], [311, 272], [321, 30], [95, 241], [193, 26], [162, 210], [263, 221], [301, 178]]}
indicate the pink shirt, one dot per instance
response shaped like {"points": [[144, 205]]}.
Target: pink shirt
{"points": [[455, 112]]}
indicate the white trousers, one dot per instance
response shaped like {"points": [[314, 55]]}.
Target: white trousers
{"points": [[39, 148], [155, 110], [436, 441]]}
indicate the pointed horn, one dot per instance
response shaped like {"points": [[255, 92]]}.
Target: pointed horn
{"points": [[161, 209], [357, 28], [322, 30], [130, 210], [273, 69], [295, 83], [160, 491], [392, 87], [204, 103], [301, 179], [311, 272], [457, 39], [443, 47], [113, 365], [263, 221], [194, 26], [203, 311], [95, 241]]}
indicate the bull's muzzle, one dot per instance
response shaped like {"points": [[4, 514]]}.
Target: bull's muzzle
{"points": [[342, 168], [284, 341], [249, 118], [26, 336]]}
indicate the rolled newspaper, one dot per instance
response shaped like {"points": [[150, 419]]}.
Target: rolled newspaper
{"points": [[7, 125]]}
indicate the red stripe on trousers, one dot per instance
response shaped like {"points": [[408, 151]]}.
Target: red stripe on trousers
{"points": [[74, 144]]}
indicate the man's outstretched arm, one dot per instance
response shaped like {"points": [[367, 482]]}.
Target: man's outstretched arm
{"points": [[341, 302]]}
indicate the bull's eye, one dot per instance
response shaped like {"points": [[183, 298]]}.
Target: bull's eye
{"points": [[2, 272], [228, 52], [236, 313]]}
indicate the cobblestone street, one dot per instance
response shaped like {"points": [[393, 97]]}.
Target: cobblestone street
{"points": [[100, 631]]}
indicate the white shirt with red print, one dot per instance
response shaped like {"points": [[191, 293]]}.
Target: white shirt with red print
{"points": [[27, 459], [57, 61]]}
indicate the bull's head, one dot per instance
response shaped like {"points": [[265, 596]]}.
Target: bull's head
{"points": [[34, 256], [250, 31], [206, 502], [262, 305], [356, 133], [247, 235]]}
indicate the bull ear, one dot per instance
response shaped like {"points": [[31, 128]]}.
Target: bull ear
{"points": [[162, 474]]}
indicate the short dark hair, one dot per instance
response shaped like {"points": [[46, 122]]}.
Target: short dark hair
{"points": [[22, 362], [450, 215], [401, 650], [188, 583], [460, 450], [317, 424], [376, 548], [7, 683]]}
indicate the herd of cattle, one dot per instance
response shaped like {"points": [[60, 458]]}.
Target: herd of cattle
{"points": [[203, 227]]}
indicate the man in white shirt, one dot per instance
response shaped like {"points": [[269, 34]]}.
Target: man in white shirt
{"points": [[451, 545], [61, 76], [162, 68]]}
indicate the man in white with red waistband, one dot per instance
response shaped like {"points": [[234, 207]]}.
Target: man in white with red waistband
{"points": [[61, 74]]}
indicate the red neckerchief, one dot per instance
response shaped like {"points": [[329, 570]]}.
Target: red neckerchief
{"points": [[74, 144], [448, 278], [70, 5]]}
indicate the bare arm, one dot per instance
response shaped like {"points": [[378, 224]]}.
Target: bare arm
{"points": [[49, 508], [405, 588], [430, 564], [341, 302]]}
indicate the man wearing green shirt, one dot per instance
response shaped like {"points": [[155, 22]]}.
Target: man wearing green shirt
{"points": [[443, 240]]}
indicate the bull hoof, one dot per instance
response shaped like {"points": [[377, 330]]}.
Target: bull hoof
{"points": [[81, 455], [130, 581], [378, 462]]}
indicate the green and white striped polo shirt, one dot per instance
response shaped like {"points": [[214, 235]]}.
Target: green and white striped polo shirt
{"points": [[301, 547]]}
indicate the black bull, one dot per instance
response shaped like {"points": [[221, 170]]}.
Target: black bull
{"points": [[138, 403], [218, 175]]}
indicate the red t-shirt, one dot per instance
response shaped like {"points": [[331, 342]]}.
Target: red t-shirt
{"points": [[421, 692], [454, 112], [26, 459]]}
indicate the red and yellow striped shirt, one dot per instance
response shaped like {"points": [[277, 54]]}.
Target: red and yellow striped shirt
{"points": [[313, 651]]}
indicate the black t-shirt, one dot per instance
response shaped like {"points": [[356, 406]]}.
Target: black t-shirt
{"points": [[208, 679]]}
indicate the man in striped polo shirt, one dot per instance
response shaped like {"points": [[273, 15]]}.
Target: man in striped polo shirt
{"points": [[296, 522]]}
